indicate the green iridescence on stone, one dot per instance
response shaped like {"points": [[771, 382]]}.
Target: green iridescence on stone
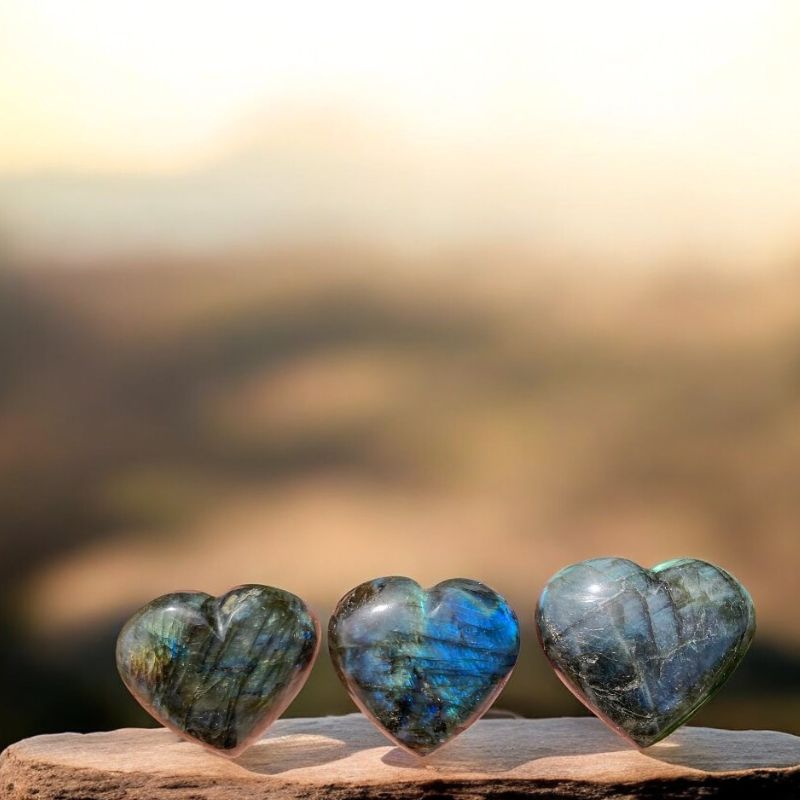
{"points": [[644, 649], [423, 664], [218, 670]]}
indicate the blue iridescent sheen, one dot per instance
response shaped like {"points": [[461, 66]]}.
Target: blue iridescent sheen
{"points": [[424, 664], [644, 649], [218, 670]]}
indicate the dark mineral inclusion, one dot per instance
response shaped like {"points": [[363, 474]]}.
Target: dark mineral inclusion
{"points": [[424, 664], [218, 670], [644, 649]]}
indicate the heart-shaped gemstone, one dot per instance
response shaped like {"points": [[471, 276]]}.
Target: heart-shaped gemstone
{"points": [[644, 649], [218, 670], [423, 664]]}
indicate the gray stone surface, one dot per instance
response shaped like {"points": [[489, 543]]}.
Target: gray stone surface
{"points": [[644, 649]]}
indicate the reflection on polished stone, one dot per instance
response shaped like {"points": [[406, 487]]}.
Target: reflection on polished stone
{"points": [[423, 664], [218, 670], [644, 649]]}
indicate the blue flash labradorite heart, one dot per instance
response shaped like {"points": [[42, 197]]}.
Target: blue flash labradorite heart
{"points": [[218, 670], [644, 649], [423, 664]]}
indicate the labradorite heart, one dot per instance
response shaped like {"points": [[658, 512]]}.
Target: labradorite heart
{"points": [[218, 670], [644, 649], [423, 664]]}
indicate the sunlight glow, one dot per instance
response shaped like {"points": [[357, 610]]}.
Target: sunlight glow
{"points": [[154, 83], [616, 124]]}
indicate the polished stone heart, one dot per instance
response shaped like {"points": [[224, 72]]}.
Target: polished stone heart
{"points": [[218, 670], [644, 649], [423, 664]]}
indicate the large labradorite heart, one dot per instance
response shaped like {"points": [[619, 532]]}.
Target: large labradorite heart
{"points": [[218, 670], [423, 664], [644, 649]]}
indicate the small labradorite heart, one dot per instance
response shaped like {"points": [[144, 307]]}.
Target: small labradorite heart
{"points": [[218, 670], [423, 664], [644, 649]]}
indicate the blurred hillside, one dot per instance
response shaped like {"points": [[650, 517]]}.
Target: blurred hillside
{"points": [[313, 418]]}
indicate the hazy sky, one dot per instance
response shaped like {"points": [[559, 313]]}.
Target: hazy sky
{"points": [[631, 125]]}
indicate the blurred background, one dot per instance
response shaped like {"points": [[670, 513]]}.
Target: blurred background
{"points": [[306, 294]]}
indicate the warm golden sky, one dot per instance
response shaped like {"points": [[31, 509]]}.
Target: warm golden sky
{"points": [[665, 124]]}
